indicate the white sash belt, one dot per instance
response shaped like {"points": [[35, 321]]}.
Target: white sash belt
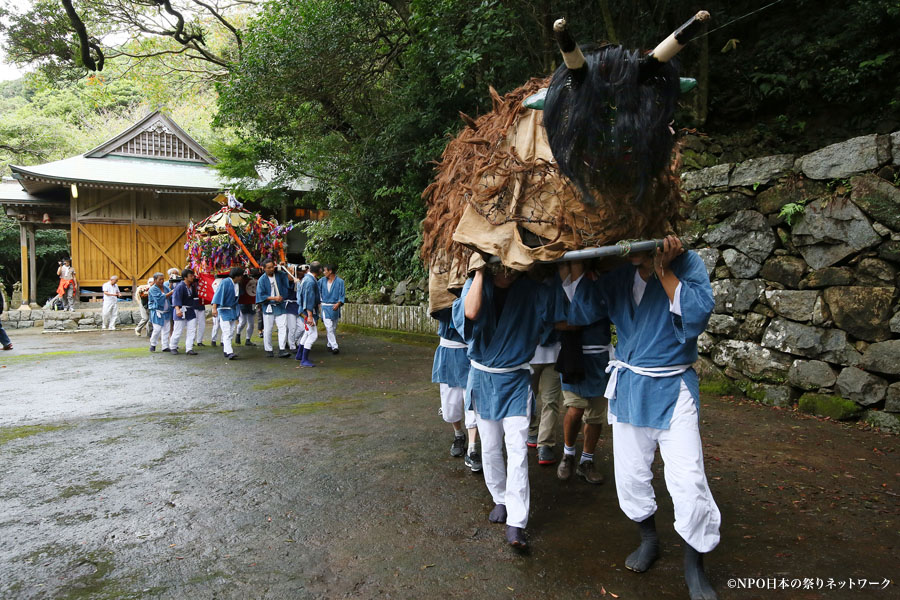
{"points": [[615, 366], [597, 349], [445, 343], [481, 367]]}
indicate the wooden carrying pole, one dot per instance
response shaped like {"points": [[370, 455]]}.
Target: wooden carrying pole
{"points": [[235, 237], [620, 249]]}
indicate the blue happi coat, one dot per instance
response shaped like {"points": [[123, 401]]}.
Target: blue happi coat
{"points": [[291, 306], [264, 291], [330, 298], [226, 301], [158, 305], [183, 297], [596, 334], [308, 296], [451, 365], [505, 342], [650, 335]]}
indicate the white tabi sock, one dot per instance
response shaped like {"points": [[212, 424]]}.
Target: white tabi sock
{"points": [[586, 457]]}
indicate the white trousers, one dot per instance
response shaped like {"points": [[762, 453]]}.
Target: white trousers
{"points": [[110, 315], [291, 330], [160, 331], [201, 325], [330, 328], [309, 336], [697, 517], [216, 329], [508, 484], [248, 322], [227, 328], [280, 321], [453, 405], [189, 329]]}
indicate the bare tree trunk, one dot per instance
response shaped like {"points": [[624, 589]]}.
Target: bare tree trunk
{"points": [[612, 38]]}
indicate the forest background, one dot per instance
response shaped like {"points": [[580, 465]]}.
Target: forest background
{"points": [[362, 94]]}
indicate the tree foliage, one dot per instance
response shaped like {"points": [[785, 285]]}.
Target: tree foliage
{"points": [[362, 94]]}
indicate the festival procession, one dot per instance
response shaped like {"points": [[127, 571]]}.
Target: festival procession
{"points": [[613, 376]]}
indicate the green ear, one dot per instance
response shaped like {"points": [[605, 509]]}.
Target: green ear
{"points": [[536, 101], [687, 84]]}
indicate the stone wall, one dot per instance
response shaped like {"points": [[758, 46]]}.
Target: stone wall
{"points": [[803, 254], [413, 319], [61, 320]]}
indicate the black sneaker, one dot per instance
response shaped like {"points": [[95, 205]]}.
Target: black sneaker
{"points": [[213, 343], [473, 461], [459, 446], [191, 353], [237, 339], [335, 351], [546, 456], [284, 354], [249, 343], [173, 351], [231, 356], [152, 348], [270, 354], [166, 350], [199, 344]]}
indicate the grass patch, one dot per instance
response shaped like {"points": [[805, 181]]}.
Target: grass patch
{"points": [[277, 383], [92, 487], [306, 408], [8, 434], [428, 340]]}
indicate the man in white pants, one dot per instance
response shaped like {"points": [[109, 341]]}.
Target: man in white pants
{"points": [[451, 370], [200, 312], [271, 291], [111, 297], [331, 294], [660, 304], [501, 316], [308, 298], [185, 319], [225, 308], [160, 312]]}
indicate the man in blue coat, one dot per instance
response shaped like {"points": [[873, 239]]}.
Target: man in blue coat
{"points": [[185, 319], [331, 295], [660, 304], [271, 292], [589, 348], [451, 370], [501, 316], [160, 312], [225, 307], [308, 299]]}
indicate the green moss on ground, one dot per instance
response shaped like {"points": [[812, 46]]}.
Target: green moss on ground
{"points": [[8, 434], [718, 387], [429, 340], [823, 405]]}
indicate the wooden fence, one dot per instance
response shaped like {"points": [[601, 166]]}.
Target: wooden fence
{"points": [[413, 319]]}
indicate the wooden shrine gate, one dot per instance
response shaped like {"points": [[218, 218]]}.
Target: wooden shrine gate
{"points": [[131, 234], [133, 252]]}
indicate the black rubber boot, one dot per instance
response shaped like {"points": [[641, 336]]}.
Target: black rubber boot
{"points": [[498, 514], [695, 577], [641, 559]]}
